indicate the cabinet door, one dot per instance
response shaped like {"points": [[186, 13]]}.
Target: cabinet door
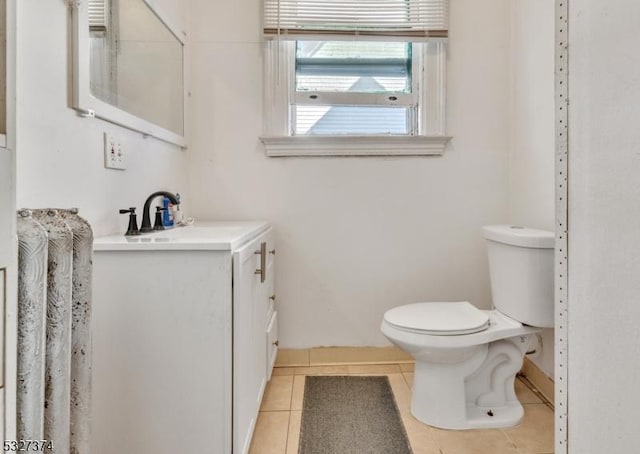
{"points": [[269, 298], [249, 349], [272, 343], [162, 352]]}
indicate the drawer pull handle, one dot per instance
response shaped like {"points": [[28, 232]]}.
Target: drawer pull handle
{"points": [[272, 252], [272, 297], [276, 343], [263, 261]]}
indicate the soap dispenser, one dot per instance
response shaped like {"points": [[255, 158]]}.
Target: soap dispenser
{"points": [[167, 216]]}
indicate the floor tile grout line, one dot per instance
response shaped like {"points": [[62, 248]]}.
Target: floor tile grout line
{"points": [[523, 378], [286, 443], [293, 383], [518, 449], [407, 381], [515, 445], [342, 363]]}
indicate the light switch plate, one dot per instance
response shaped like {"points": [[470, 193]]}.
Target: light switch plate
{"points": [[114, 157]]}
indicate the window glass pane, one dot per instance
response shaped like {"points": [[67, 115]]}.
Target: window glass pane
{"points": [[353, 66], [317, 120]]}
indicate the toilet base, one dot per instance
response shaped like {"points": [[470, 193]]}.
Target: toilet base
{"points": [[481, 417], [477, 393], [467, 381], [507, 416]]}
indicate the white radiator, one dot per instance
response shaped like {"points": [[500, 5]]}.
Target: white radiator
{"points": [[54, 337]]}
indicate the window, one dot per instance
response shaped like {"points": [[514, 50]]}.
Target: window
{"points": [[353, 87], [354, 77]]}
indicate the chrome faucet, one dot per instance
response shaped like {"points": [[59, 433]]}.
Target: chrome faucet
{"points": [[146, 219]]}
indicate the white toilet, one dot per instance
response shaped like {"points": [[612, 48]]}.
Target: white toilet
{"points": [[466, 358]]}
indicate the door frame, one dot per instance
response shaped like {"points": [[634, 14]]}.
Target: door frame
{"points": [[561, 228], [11, 282]]}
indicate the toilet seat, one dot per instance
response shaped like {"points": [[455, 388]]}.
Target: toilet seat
{"points": [[438, 319]]}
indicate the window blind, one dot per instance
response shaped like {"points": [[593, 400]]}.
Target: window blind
{"points": [[415, 20], [98, 15]]}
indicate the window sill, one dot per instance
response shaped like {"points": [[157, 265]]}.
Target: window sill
{"points": [[355, 145]]}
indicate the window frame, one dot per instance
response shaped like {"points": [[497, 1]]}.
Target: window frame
{"points": [[427, 137]]}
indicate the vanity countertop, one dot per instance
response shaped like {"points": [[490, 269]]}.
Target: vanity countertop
{"points": [[213, 236]]}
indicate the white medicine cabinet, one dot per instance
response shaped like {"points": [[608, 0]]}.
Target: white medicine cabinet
{"points": [[130, 67]]}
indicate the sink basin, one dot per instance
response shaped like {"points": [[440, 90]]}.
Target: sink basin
{"points": [[195, 231], [202, 235]]}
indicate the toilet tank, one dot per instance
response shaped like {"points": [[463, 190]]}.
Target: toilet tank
{"points": [[521, 269]]}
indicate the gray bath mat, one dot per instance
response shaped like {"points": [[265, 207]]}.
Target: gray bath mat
{"points": [[351, 415]]}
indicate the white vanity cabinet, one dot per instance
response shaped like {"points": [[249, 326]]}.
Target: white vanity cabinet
{"points": [[181, 344]]}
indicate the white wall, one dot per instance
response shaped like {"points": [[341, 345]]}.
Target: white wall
{"points": [[532, 150], [59, 155], [604, 227], [356, 236]]}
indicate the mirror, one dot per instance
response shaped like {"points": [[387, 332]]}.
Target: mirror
{"points": [[129, 66]]}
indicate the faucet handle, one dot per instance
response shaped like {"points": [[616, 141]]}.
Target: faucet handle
{"points": [[132, 228], [158, 224]]}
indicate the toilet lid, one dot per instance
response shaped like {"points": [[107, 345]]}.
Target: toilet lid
{"points": [[440, 319]]}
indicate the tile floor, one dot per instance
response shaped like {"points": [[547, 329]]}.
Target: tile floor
{"points": [[278, 426]]}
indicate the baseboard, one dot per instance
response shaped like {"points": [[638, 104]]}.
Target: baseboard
{"points": [[539, 379], [334, 356]]}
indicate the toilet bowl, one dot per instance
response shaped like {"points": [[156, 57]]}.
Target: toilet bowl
{"points": [[464, 377], [466, 359]]}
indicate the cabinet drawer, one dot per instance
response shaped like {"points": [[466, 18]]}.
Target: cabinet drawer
{"points": [[272, 343], [271, 300], [271, 247]]}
